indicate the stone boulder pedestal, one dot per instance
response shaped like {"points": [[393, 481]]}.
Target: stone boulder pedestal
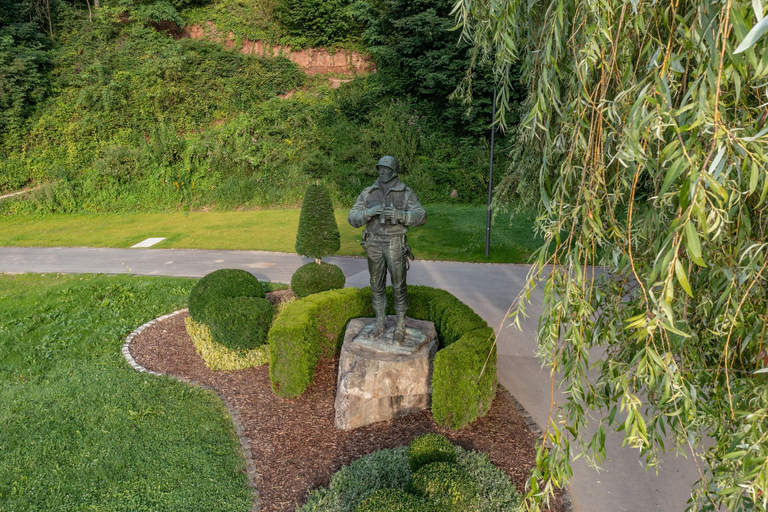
{"points": [[379, 380]]}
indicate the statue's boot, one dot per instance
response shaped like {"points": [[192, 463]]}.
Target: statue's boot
{"points": [[399, 337], [380, 326]]}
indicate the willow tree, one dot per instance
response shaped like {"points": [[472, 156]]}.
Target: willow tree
{"points": [[649, 125]]}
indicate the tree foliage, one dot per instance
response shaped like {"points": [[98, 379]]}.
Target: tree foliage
{"points": [[649, 134], [418, 53]]}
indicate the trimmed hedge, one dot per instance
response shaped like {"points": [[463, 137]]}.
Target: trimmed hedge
{"points": [[220, 358], [460, 394], [446, 485], [306, 329], [394, 500], [224, 283], [239, 323], [430, 448], [314, 326], [315, 278]]}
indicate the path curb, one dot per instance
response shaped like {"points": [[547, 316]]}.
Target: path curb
{"points": [[250, 464], [534, 427]]}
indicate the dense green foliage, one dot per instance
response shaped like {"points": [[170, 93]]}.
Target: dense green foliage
{"points": [[647, 123], [418, 53], [219, 357], [318, 233], [225, 283], [139, 121], [464, 377], [430, 448], [317, 22], [393, 500], [317, 277], [448, 486], [81, 429], [388, 469], [239, 323]]}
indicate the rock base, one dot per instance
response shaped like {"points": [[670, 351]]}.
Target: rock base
{"points": [[380, 383]]}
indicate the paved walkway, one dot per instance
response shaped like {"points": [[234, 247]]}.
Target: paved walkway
{"points": [[622, 486]]}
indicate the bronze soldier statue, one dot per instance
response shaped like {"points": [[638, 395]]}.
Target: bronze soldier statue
{"points": [[387, 209]]}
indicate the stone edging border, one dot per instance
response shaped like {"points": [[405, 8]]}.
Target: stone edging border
{"points": [[534, 427], [244, 443]]}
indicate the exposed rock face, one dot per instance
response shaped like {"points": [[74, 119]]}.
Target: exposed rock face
{"points": [[378, 384], [312, 61]]}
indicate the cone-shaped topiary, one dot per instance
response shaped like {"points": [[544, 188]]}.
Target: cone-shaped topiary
{"points": [[318, 234]]}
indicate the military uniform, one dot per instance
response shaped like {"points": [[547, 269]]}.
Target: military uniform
{"points": [[384, 239]]}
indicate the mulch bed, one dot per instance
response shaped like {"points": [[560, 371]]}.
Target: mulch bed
{"points": [[294, 442]]}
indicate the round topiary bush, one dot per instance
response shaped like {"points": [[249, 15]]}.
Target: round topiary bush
{"points": [[317, 277], [393, 500], [224, 283], [239, 323], [447, 486], [430, 448], [318, 235]]}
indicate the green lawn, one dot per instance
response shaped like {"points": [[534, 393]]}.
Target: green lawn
{"points": [[452, 232], [81, 430]]}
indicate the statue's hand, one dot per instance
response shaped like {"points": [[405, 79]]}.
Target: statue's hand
{"points": [[374, 211], [393, 213]]}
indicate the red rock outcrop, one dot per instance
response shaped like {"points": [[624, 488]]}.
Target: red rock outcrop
{"points": [[312, 61]]}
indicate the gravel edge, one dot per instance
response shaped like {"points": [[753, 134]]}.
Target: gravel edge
{"points": [[244, 443]]}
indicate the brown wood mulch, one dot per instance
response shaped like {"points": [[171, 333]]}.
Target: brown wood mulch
{"points": [[294, 443]]}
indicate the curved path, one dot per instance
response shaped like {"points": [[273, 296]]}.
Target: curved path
{"points": [[622, 485]]}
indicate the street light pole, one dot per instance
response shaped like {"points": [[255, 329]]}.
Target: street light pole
{"points": [[490, 183]]}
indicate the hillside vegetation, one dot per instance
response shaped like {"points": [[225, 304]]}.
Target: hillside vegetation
{"points": [[113, 113]]}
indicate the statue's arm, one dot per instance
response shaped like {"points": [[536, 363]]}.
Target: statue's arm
{"points": [[415, 214], [357, 215]]}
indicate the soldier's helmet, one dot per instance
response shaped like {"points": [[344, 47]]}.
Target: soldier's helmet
{"points": [[389, 161]]}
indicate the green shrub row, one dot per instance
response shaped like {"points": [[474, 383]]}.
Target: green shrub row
{"points": [[308, 328], [463, 386]]}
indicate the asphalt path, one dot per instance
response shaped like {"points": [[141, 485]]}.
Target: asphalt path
{"points": [[622, 485]]}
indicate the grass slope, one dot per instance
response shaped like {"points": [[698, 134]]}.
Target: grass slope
{"points": [[82, 430], [452, 232]]}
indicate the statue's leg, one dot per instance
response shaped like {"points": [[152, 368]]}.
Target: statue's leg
{"points": [[397, 270], [377, 268]]}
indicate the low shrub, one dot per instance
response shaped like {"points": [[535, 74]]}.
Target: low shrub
{"points": [[446, 485], [464, 379], [314, 326], [393, 500], [389, 469], [220, 358], [239, 323], [317, 277], [224, 283], [430, 448], [306, 329]]}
